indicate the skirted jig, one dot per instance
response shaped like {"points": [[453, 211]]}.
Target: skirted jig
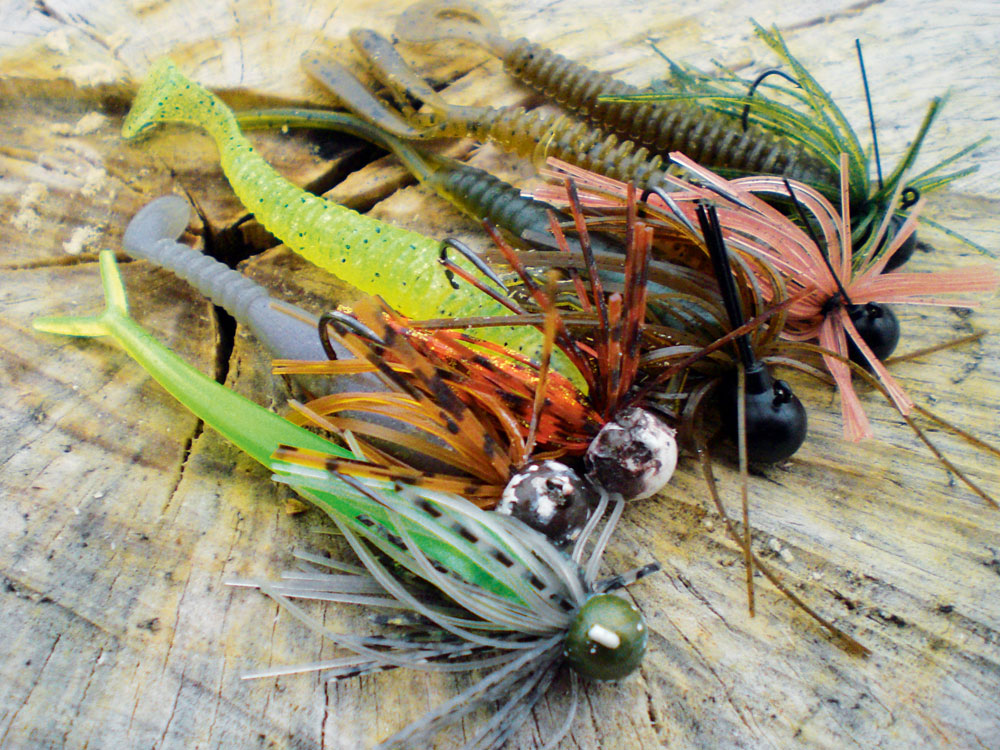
{"points": [[479, 591]]}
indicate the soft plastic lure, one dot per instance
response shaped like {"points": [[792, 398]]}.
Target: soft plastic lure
{"points": [[288, 331], [483, 591], [530, 134], [479, 194], [473, 191], [678, 125], [705, 117], [399, 265]]}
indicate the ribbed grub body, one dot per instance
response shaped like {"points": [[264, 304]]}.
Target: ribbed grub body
{"points": [[706, 136], [227, 288], [484, 196], [538, 136]]}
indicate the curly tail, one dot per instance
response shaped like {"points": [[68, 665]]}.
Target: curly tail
{"points": [[168, 96]]}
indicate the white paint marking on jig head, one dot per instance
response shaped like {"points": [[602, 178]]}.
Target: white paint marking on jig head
{"points": [[603, 637]]}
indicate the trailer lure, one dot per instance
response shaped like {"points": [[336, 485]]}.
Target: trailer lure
{"points": [[490, 593], [529, 134], [286, 330], [473, 191], [706, 116], [399, 265], [678, 125], [484, 197]]}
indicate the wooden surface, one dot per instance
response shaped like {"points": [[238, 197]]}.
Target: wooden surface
{"points": [[121, 519]]}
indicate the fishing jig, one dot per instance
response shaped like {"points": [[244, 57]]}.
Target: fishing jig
{"points": [[706, 116], [814, 282], [505, 409], [484, 591], [622, 456], [807, 115]]}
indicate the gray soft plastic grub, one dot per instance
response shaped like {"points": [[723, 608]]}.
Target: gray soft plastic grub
{"points": [[165, 218]]}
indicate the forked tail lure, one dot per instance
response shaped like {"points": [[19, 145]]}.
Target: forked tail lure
{"points": [[529, 134], [480, 591], [399, 265]]}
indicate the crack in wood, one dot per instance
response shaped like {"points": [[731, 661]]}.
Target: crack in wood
{"points": [[848, 12], [31, 690]]}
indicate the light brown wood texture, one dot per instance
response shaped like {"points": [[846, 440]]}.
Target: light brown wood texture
{"points": [[121, 518]]}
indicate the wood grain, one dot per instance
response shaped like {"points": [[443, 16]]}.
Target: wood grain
{"points": [[121, 519]]}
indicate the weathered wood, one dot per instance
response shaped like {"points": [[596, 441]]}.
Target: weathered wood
{"points": [[121, 519]]}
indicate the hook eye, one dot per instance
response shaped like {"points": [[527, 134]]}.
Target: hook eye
{"points": [[745, 115], [782, 392]]}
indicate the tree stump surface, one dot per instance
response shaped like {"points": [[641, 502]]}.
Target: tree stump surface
{"points": [[121, 518]]}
